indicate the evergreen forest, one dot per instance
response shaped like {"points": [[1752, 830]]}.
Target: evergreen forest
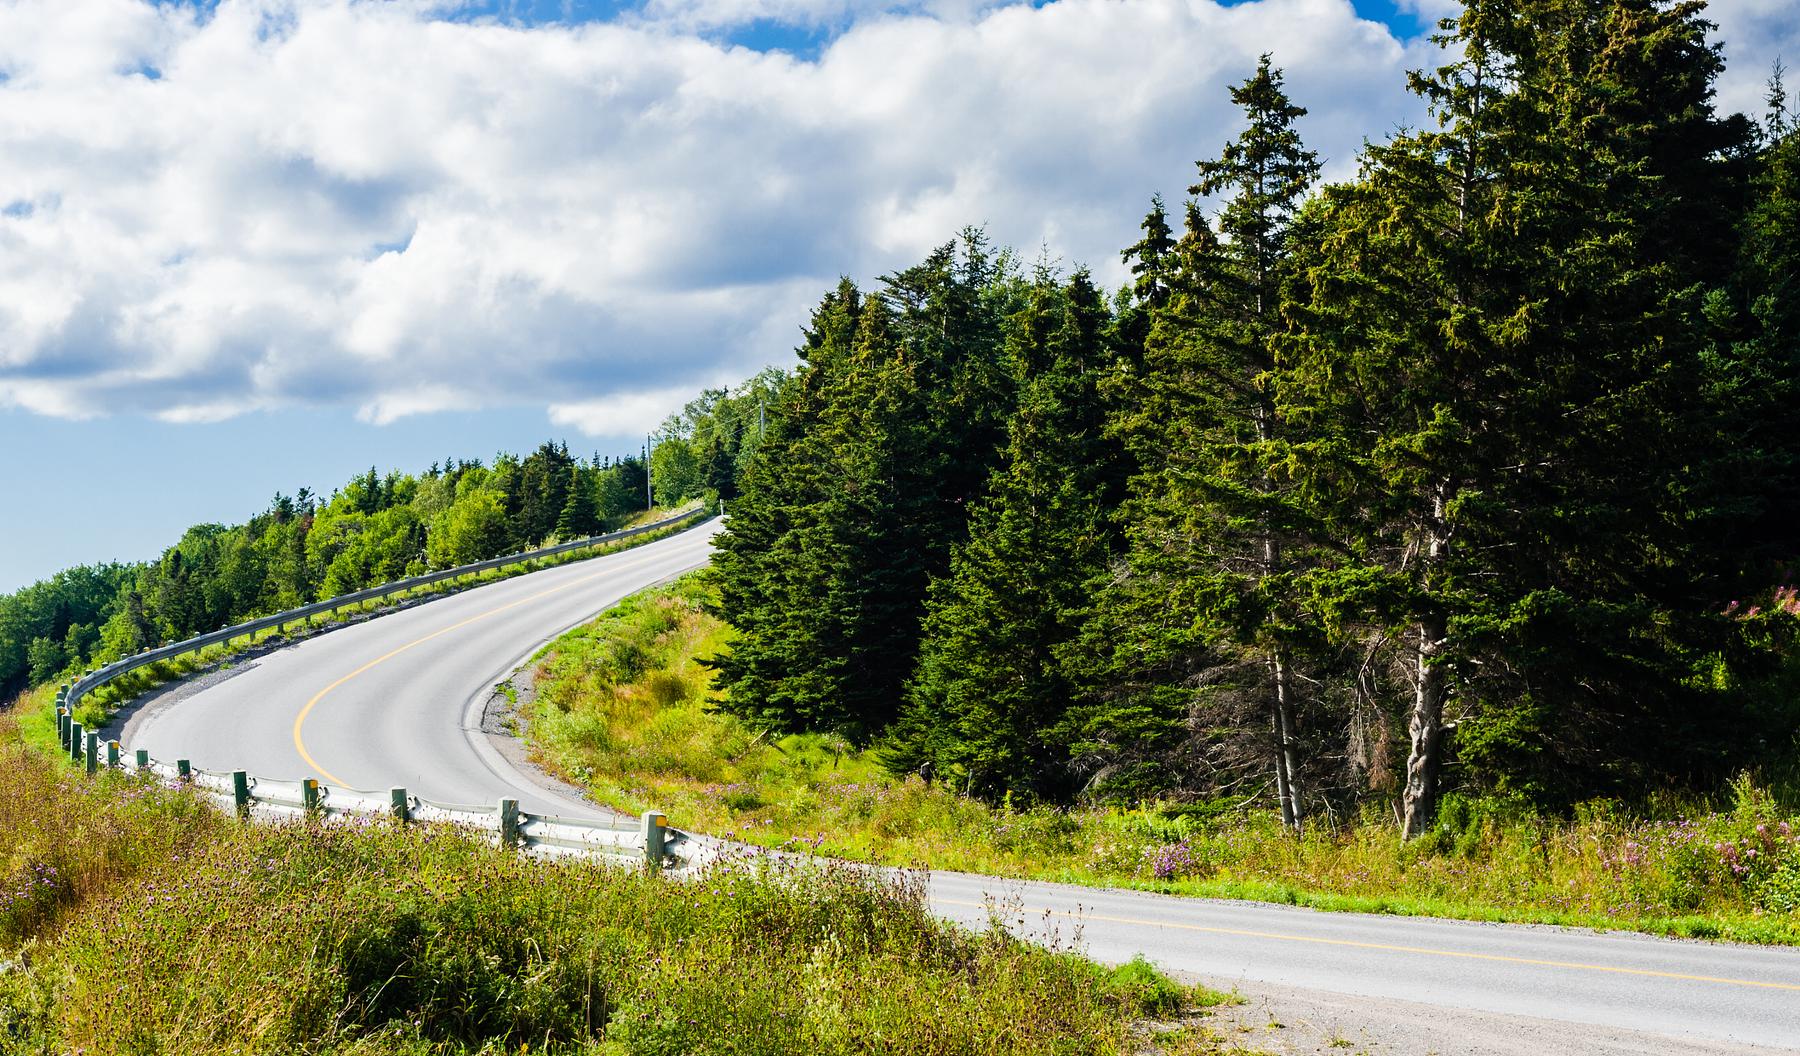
{"points": [[1472, 474]]}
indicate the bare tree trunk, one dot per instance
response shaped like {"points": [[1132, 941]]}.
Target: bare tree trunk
{"points": [[1287, 772], [1426, 728], [1426, 724]]}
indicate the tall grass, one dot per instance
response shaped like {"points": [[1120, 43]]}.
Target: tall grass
{"points": [[625, 706], [135, 919]]}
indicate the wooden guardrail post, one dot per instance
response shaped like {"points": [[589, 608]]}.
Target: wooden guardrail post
{"points": [[184, 771], [309, 796], [74, 741], [240, 792], [509, 823], [62, 727], [112, 755], [142, 758], [91, 752], [655, 835], [400, 805]]}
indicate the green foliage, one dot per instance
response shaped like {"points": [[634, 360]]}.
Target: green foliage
{"points": [[990, 690], [858, 491], [1150, 989]]}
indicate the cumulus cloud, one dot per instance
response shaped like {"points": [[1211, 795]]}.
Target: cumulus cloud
{"points": [[208, 210]]}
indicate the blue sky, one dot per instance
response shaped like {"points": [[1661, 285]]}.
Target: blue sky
{"points": [[252, 245]]}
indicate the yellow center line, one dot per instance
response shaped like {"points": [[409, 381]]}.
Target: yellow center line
{"points": [[300, 719], [1278, 936]]}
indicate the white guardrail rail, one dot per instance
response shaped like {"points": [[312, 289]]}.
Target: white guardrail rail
{"points": [[647, 839]]}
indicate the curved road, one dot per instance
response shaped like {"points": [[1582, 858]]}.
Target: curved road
{"points": [[396, 701]]}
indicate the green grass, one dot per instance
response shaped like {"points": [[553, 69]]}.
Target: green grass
{"points": [[624, 706], [134, 918]]}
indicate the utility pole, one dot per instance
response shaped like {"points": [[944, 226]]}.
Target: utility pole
{"points": [[649, 496]]}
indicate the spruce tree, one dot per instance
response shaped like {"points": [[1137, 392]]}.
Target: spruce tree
{"points": [[1499, 344], [990, 692], [580, 516], [1212, 533], [857, 493]]}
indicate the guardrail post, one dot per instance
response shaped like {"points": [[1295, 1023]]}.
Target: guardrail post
{"points": [[142, 758], [184, 771], [655, 833], [509, 823], [74, 741], [62, 727], [112, 755], [309, 796], [91, 753], [240, 792], [400, 805]]}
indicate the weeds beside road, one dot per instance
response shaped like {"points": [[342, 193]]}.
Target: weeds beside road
{"points": [[135, 918], [621, 707]]}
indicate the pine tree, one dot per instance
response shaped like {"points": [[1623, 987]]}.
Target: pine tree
{"points": [[1210, 530], [990, 691], [580, 516], [1496, 354], [859, 490]]}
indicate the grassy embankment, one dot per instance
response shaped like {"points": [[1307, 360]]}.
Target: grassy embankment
{"points": [[95, 709], [134, 918], [622, 707]]}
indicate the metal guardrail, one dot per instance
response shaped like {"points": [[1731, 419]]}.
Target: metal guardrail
{"points": [[649, 840]]}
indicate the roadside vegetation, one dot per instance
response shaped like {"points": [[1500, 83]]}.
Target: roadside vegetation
{"points": [[626, 707], [135, 918]]}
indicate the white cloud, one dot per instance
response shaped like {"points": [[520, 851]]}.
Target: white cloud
{"points": [[334, 202], [624, 414]]}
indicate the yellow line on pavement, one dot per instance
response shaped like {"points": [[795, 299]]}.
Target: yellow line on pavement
{"points": [[300, 719], [1576, 965]]}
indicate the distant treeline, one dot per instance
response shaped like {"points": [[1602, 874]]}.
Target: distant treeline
{"points": [[1477, 472], [375, 529]]}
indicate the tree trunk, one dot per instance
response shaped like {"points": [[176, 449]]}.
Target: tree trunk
{"points": [[1287, 776], [1426, 725]]}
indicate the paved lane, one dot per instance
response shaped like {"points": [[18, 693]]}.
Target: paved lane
{"points": [[1721, 992]]}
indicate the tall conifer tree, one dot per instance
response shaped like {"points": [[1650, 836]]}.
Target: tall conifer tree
{"points": [[862, 485], [991, 690], [1208, 513]]}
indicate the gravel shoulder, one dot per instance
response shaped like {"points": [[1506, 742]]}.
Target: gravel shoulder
{"points": [[1289, 1021]]}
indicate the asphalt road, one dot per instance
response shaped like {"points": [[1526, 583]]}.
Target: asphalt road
{"points": [[396, 701]]}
